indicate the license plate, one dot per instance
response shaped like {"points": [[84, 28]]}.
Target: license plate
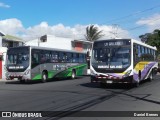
{"points": [[109, 82]]}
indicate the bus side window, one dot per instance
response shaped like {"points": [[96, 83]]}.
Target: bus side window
{"points": [[35, 58], [84, 58], [43, 57], [54, 56], [135, 50], [80, 58], [75, 57], [62, 57], [68, 57]]}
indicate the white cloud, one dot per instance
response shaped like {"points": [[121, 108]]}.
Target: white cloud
{"points": [[111, 32], [152, 22], [3, 5], [11, 26], [76, 32], [15, 27]]}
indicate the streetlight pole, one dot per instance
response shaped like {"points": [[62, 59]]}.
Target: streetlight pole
{"points": [[38, 41]]}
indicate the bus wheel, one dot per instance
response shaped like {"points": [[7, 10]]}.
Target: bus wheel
{"points": [[139, 78], [73, 76], [22, 81], [137, 84], [91, 78], [151, 76], [103, 85], [44, 77]]}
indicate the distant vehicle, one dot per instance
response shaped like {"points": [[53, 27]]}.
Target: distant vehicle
{"points": [[39, 63], [122, 61]]}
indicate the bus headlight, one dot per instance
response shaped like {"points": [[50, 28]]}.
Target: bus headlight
{"points": [[27, 72], [127, 73]]}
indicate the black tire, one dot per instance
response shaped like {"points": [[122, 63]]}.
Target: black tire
{"points": [[44, 77], [73, 75], [103, 85], [22, 81], [150, 76], [91, 78], [136, 84]]}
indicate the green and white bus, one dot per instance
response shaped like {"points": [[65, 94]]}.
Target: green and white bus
{"points": [[40, 63], [122, 61]]}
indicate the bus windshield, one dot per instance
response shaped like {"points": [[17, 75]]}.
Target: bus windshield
{"points": [[114, 56], [17, 58]]}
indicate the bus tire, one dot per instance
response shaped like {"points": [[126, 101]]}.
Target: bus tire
{"points": [[150, 76], [91, 79], [44, 76], [73, 75], [136, 84], [103, 85], [22, 81]]}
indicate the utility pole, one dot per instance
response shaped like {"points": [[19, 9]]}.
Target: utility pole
{"points": [[114, 30], [38, 41]]}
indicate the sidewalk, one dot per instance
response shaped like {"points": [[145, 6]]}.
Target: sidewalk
{"points": [[4, 80]]}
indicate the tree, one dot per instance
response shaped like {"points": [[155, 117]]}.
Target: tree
{"points": [[152, 39], [92, 33]]}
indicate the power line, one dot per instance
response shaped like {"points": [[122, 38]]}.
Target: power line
{"points": [[133, 14]]}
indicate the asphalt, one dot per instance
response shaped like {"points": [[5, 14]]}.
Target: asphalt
{"points": [[80, 95], [4, 80]]}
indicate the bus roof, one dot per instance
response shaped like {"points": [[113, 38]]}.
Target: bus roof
{"points": [[45, 48], [133, 40], [144, 44]]}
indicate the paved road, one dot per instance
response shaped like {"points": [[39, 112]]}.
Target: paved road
{"points": [[80, 94]]}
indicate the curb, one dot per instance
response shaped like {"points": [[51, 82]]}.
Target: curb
{"points": [[4, 80]]}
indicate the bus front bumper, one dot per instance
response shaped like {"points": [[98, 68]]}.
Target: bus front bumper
{"points": [[106, 80], [19, 76]]}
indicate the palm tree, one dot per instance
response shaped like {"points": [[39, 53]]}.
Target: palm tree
{"points": [[92, 33]]}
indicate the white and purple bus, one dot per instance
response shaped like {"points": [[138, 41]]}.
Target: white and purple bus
{"points": [[122, 61]]}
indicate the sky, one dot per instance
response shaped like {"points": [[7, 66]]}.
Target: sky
{"points": [[30, 19]]}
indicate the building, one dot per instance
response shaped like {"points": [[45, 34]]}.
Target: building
{"points": [[7, 41], [61, 43]]}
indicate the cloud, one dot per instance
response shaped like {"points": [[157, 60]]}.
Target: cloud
{"points": [[110, 31], [152, 22], [76, 32], [11, 26], [15, 27], [3, 5]]}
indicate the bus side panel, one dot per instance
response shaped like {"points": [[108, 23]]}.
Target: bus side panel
{"points": [[54, 70], [142, 69], [80, 70], [37, 71]]}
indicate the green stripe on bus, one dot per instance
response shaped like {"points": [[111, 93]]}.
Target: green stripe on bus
{"points": [[37, 77], [50, 75], [66, 73]]}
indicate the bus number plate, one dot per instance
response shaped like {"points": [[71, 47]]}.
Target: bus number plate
{"points": [[109, 82]]}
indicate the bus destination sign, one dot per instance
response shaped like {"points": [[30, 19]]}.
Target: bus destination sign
{"points": [[112, 43]]}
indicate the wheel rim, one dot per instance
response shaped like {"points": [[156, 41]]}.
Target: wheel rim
{"points": [[44, 77], [73, 74], [137, 83], [151, 76]]}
